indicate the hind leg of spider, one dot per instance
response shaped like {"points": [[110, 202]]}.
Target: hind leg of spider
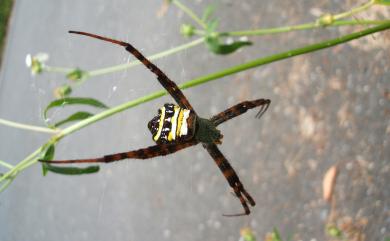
{"points": [[232, 178], [166, 82], [144, 153], [241, 108]]}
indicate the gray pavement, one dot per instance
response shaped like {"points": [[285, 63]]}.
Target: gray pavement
{"points": [[328, 108]]}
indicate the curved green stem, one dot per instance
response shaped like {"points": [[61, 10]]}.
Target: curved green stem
{"points": [[27, 127], [127, 65], [17, 168], [202, 33], [305, 26], [57, 69], [354, 10], [285, 55], [152, 57], [228, 71], [7, 165], [190, 13], [6, 184]]}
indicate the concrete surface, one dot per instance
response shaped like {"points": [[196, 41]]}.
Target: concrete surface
{"points": [[328, 108]]}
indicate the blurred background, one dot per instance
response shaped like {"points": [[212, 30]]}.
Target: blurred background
{"points": [[330, 109]]}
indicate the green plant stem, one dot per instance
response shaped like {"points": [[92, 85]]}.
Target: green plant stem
{"points": [[131, 64], [198, 41], [28, 163], [190, 13], [27, 127], [256, 32], [3, 163], [228, 71], [32, 158], [57, 69], [305, 26], [6, 184], [17, 168], [353, 11], [152, 57], [285, 55]]}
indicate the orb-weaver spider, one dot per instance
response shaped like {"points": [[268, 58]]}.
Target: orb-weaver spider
{"points": [[178, 126]]}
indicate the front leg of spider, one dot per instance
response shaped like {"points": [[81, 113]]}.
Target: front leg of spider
{"points": [[143, 153], [166, 82]]}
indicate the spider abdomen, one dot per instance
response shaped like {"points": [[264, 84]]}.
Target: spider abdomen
{"points": [[172, 124]]}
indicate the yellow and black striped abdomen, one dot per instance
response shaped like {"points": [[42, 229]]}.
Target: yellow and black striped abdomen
{"points": [[172, 124]]}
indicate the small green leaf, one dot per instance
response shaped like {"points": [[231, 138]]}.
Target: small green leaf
{"points": [[212, 26], [49, 155], [72, 170], [276, 235], [46, 167], [81, 115], [383, 2], [216, 47], [208, 12], [73, 101], [77, 75]]}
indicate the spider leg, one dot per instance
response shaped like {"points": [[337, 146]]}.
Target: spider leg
{"points": [[241, 108], [167, 83], [144, 153], [232, 178]]}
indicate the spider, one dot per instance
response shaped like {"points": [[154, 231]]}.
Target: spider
{"points": [[176, 127]]}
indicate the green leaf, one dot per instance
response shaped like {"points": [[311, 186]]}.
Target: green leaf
{"points": [[276, 235], [49, 155], [212, 26], [383, 2], [73, 101], [216, 47], [72, 170], [46, 167], [81, 115], [208, 12]]}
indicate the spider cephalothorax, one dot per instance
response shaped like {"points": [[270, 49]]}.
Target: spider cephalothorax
{"points": [[177, 127], [174, 124]]}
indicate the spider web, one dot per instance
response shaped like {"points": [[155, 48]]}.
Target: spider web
{"points": [[327, 107]]}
